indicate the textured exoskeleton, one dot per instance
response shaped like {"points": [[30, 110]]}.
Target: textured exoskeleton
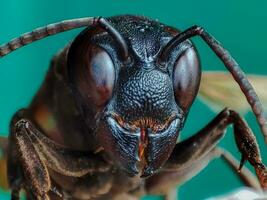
{"points": [[105, 122]]}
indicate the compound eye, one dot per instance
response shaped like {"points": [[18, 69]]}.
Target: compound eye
{"points": [[102, 74], [186, 78], [97, 76]]}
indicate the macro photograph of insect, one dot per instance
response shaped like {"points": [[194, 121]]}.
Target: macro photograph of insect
{"points": [[129, 100]]}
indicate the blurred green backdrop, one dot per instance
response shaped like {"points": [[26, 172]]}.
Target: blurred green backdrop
{"points": [[239, 25]]}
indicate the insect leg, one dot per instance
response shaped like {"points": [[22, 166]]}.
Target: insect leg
{"points": [[35, 173], [34, 153], [204, 141], [192, 155], [167, 180], [61, 159]]}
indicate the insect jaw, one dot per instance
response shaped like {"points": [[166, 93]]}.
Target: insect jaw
{"points": [[143, 143], [160, 146], [140, 151]]}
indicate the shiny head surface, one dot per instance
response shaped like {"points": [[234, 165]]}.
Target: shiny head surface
{"points": [[137, 106]]}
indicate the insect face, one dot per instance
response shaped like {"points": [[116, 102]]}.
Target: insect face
{"points": [[124, 87], [141, 104]]}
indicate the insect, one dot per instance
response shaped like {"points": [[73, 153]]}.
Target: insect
{"points": [[105, 122]]}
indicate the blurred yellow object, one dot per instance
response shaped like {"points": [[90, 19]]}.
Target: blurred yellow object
{"points": [[3, 173], [219, 90]]}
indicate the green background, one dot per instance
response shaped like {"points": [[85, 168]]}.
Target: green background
{"points": [[239, 25]]}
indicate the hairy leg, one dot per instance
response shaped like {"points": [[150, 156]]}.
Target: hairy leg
{"points": [[31, 154], [204, 141]]}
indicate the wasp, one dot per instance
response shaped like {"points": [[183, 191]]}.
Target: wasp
{"points": [[106, 120]]}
